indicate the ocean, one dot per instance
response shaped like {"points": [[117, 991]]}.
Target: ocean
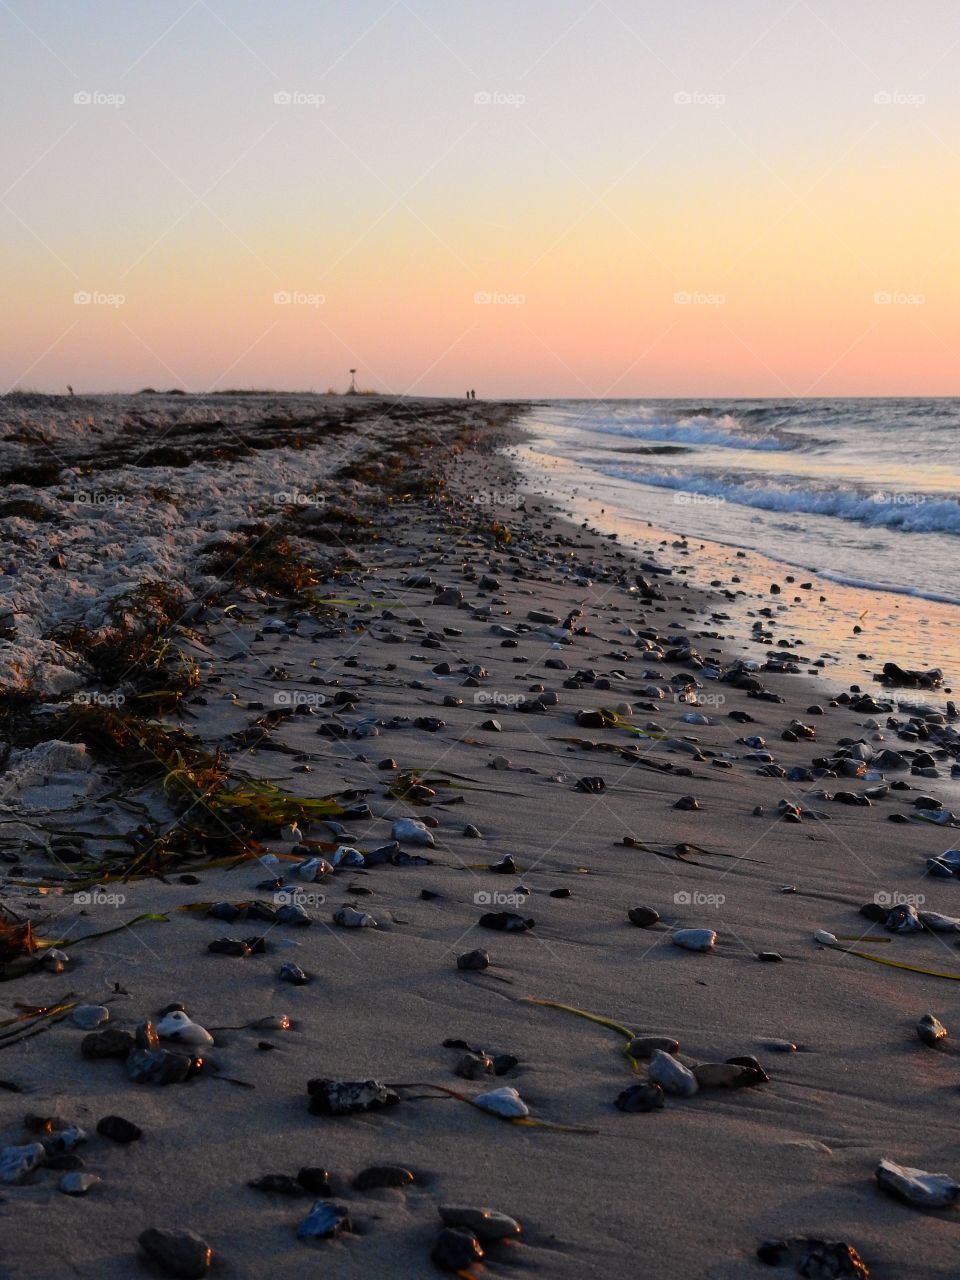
{"points": [[863, 492]]}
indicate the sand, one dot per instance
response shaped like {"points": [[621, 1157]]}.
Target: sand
{"points": [[689, 1190]]}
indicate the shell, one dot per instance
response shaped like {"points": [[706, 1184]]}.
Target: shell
{"points": [[347, 1097], [179, 1027], [505, 1102], [916, 1186]]}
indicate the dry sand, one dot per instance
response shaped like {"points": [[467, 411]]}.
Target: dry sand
{"points": [[689, 1190]]}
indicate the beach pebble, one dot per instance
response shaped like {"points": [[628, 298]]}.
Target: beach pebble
{"points": [[89, 1016], [672, 1076], [486, 1224], [177, 1026], [504, 1102], [473, 1066], [640, 1097], [324, 1220], [119, 1130], [506, 866], [772, 957], [412, 831], [350, 918], [931, 1030], [471, 832], [644, 1047], [456, 1250], [505, 922], [721, 1075], [158, 1066], [383, 1175], [110, 1043], [77, 1183], [917, 1187], [349, 1097], [315, 1181], [473, 960], [815, 1258], [178, 1253], [280, 1184], [17, 1162], [292, 973], [643, 917], [694, 939]]}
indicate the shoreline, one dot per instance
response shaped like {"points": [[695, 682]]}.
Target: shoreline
{"points": [[401, 649]]}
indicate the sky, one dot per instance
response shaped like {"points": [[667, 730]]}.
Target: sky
{"points": [[536, 198]]}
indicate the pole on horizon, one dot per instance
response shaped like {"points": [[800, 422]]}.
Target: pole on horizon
{"points": [[352, 391]]}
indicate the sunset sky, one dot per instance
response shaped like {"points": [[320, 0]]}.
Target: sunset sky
{"points": [[511, 195]]}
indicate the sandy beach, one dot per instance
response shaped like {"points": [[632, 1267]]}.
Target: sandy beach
{"points": [[264, 603]]}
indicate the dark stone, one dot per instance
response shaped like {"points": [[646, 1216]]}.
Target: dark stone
{"points": [[456, 1250], [383, 1175], [178, 1253], [640, 1097], [118, 1129], [643, 917]]}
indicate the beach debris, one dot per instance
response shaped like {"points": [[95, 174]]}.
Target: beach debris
{"points": [[640, 1097], [456, 1250], [412, 831], [694, 939], [77, 1183], [280, 1184], [915, 1186], [350, 918], [119, 1130], [176, 1025], [17, 1162], [505, 1102], [292, 973], [592, 786], [176, 1252], [349, 1097], [817, 1259], [643, 917], [160, 1066], [722, 1075], [672, 1076], [109, 1043], [488, 1225], [472, 1066], [474, 960], [505, 922], [382, 1175], [931, 1030], [323, 1221]]}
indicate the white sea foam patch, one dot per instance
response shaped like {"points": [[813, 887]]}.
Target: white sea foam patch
{"points": [[725, 432], [880, 508]]}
